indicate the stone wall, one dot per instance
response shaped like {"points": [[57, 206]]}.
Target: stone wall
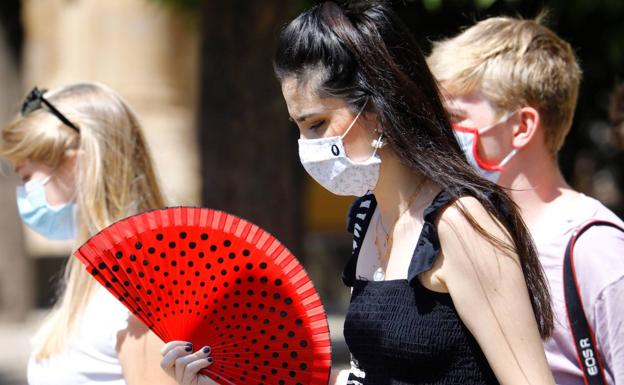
{"points": [[145, 51], [15, 268]]}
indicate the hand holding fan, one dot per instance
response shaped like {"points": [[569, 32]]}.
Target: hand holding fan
{"points": [[216, 280]]}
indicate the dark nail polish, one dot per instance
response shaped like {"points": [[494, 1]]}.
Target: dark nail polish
{"points": [[206, 349], [188, 348], [210, 359]]}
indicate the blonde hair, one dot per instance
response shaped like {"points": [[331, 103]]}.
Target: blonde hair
{"points": [[114, 173], [513, 63]]}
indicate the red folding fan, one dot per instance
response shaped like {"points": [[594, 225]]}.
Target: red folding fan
{"points": [[216, 280]]}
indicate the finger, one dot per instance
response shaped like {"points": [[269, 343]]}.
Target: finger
{"points": [[193, 368], [182, 362], [171, 345], [170, 358]]}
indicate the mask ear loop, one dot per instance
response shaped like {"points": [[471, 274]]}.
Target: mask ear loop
{"points": [[502, 119], [508, 158], [377, 143], [45, 180], [354, 120], [42, 182], [513, 152]]}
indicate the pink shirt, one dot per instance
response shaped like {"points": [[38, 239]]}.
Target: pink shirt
{"points": [[599, 263]]}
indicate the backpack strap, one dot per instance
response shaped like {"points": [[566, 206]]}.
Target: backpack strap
{"points": [[584, 341]]}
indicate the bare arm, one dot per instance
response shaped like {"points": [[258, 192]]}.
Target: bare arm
{"points": [[139, 354], [489, 292]]}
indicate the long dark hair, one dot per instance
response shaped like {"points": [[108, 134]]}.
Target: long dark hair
{"points": [[362, 51]]}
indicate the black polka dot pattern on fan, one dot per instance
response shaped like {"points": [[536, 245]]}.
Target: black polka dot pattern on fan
{"points": [[213, 279]]}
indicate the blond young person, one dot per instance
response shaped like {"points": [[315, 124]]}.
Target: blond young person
{"points": [[511, 87], [84, 162]]}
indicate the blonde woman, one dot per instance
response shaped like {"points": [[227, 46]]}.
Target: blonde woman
{"points": [[84, 164]]}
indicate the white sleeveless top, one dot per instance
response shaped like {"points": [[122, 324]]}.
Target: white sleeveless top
{"points": [[91, 357]]}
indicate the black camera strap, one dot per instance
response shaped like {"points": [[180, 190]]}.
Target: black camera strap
{"points": [[588, 355]]}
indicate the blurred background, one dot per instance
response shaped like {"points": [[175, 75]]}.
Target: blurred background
{"points": [[199, 75]]}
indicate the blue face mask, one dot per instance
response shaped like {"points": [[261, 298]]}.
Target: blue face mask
{"points": [[53, 222]]}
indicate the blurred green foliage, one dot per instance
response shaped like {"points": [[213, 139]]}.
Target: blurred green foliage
{"points": [[194, 5], [185, 5], [576, 12]]}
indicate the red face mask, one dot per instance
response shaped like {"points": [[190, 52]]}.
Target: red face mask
{"points": [[468, 139]]}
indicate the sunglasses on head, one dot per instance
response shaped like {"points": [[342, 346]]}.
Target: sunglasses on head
{"points": [[34, 101]]}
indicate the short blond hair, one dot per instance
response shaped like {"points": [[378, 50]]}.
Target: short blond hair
{"points": [[513, 62]]}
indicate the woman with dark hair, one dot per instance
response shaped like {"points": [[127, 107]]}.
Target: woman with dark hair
{"points": [[446, 285]]}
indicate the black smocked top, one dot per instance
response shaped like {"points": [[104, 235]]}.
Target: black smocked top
{"points": [[400, 332]]}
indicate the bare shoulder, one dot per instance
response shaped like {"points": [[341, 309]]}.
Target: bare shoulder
{"points": [[453, 217], [467, 229]]}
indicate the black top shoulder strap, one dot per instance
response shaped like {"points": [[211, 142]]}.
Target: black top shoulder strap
{"points": [[358, 219]]}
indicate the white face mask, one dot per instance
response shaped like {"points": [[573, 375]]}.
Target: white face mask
{"points": [[468, 139], [326, 161]]}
